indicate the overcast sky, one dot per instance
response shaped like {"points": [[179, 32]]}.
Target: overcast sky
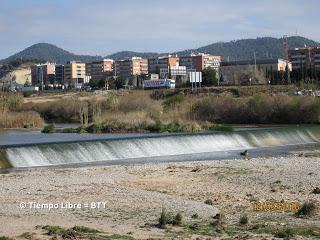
{"points": [[101, 27]]}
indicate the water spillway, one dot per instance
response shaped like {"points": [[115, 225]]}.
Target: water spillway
{"points": [[117, 149]]}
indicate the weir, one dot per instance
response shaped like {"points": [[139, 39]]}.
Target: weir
{"points": [[146, 147]]}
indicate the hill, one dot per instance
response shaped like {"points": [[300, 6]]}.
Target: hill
{"points": [[129, 54], [49, 52], [244, 49]]}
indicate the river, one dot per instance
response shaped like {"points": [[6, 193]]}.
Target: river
{"points": [[25, 149]]}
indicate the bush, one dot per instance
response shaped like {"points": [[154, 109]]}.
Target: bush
{"points": [[168, 218], [258, 110], [173, 101], [220, 128], [157, 127], [307, 209], [285, 233], [165, 218], [49, 129], [95, 128], [177, 220], [244, 220]]}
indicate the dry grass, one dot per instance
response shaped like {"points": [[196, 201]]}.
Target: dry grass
{"points": [[21, 120], [260, 109], [134, 118]]}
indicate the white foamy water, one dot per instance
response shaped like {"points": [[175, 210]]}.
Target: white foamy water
{"points": [[106, 150]]}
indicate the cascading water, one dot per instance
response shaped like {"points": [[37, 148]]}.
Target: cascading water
{"points": [[141, 147]]}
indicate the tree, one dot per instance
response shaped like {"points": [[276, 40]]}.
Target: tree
{"points": [[93, 83], [119, 82], [209, 77]]}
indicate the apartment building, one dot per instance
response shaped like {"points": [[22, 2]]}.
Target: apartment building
{"points": [[43, 74], [131, 68], [75, 74], [244, 72], [59, 75], [100, 69], [308, 56], [200, 61], [157, 63]]}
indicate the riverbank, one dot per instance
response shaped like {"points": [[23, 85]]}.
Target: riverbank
{"points": [[157, 111], [135, 195]]}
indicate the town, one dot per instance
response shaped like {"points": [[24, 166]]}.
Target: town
{"points": [[172, 71]]}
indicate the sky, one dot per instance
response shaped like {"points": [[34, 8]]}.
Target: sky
{"points": [[102, 27]]}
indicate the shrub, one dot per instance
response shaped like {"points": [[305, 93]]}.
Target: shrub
{"points": [[49, 129], [177, 220], [95, 128], [244, 220], [165, 218], [284, 233], [307, 209], [168, 218], [173, 101], [157, 127], [260, 109], [220, 127], [208, 202]]}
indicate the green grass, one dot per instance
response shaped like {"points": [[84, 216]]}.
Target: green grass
{"points": [[81, 229], [286, 232], [49, 129], [81, 232], [54, 230], [5, 238]]}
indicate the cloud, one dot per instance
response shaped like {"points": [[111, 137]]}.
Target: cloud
{"points": [[105, 26]]}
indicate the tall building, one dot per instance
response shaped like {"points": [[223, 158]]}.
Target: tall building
{"points": [[131, 68], [75, 73], [100, 69], [200, 61], [43, 74], [157, 63], [59, 75], [308, 56]]}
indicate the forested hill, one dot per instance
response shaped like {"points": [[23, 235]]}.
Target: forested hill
{"points": [[244, 49]]}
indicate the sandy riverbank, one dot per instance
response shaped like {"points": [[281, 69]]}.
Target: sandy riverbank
{"points": [[135, 194]]}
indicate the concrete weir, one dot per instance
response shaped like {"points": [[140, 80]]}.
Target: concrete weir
{"points": [[167, 146]]}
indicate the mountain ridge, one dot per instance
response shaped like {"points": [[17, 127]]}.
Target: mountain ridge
{"points": [[243, 49]]}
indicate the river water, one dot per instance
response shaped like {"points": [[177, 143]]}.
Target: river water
{"points": [[24, 149]]}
